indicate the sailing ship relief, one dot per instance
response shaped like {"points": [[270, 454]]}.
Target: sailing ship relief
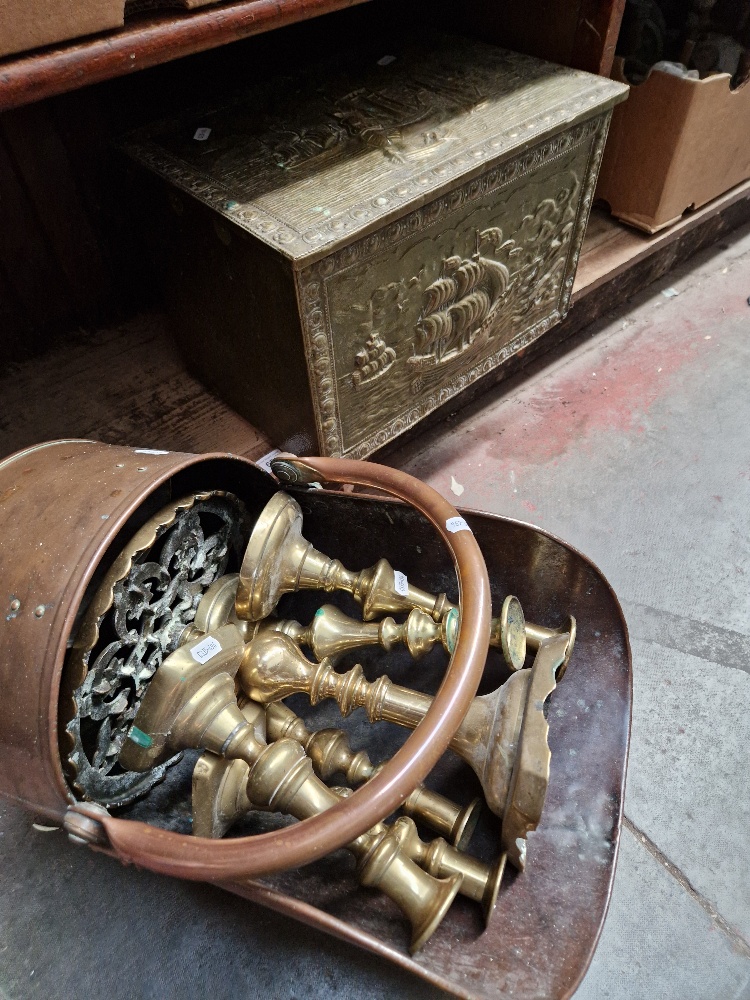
{"points": [[461, 307], [372, 361]]}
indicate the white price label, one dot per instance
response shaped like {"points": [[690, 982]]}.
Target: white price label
{"points": [[201, 134], [206, 650], [400, 582], [265, 460], [149, 451], [454, 524]]}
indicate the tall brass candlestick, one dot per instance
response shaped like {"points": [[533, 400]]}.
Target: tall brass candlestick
{"points": [[279, 560], [501, 732], [331, 754], [190, 703]]}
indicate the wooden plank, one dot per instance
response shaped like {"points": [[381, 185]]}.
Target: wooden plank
{"points": [[542, 28], [147, 41], [611, 248], [41, 159], [124, 385], [578, 33], [596, 35]]}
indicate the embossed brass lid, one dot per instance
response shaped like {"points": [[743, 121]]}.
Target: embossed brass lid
{"points": [[305, 163]]}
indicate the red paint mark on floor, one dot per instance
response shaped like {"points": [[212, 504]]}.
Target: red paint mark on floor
{"points": [[611, 386], [573, 405]]}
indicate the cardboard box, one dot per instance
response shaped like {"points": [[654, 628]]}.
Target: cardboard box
{"points": [[29, 24], [674, 145]]}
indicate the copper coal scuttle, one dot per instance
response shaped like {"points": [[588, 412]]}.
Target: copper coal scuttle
{"points": [[193, 623]]}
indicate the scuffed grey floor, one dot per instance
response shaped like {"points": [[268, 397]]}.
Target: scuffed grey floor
{"points": [[634, 445]]}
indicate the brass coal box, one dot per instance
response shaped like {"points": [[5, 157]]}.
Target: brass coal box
{"points": [[346, 249]]}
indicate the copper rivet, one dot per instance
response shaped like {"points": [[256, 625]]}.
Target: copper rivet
{"points": [[141, 468], [39, 610], [120, 465], [15, 604]]}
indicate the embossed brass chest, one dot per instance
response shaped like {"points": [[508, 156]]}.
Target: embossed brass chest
{"points": [[359, 245]]}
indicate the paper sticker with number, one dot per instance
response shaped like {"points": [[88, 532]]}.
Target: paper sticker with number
{"points": [[206, 650], [265, 460], [400, 582], [454, 524]]}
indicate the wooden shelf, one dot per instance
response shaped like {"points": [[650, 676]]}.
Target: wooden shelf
{"points": [[129, 385], [147, 40], [578, 33], [611, 249]]}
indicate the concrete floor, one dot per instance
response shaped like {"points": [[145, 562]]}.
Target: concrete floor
{"points": [[634, 446]]}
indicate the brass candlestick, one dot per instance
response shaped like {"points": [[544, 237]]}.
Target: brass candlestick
{"points": [[331, 633], [479, 881], [219, 796], [490, 739], [279, 560], [190, 703], [331, 754]]}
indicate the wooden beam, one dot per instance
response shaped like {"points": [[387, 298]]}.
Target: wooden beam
{"points": [[596, 35], [147, 41]]}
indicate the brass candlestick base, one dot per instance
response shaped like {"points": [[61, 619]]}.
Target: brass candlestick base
{"points": [[480, 882], [219, 796], [217, 608], [331, 754], [190, 703], [491, 738]]}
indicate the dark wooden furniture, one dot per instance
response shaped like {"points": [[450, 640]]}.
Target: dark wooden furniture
{"points": [[69, 252], [580, 33]]}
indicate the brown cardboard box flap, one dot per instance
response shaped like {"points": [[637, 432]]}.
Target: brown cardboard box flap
{"points": [[29, 24], [674, 145]]}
